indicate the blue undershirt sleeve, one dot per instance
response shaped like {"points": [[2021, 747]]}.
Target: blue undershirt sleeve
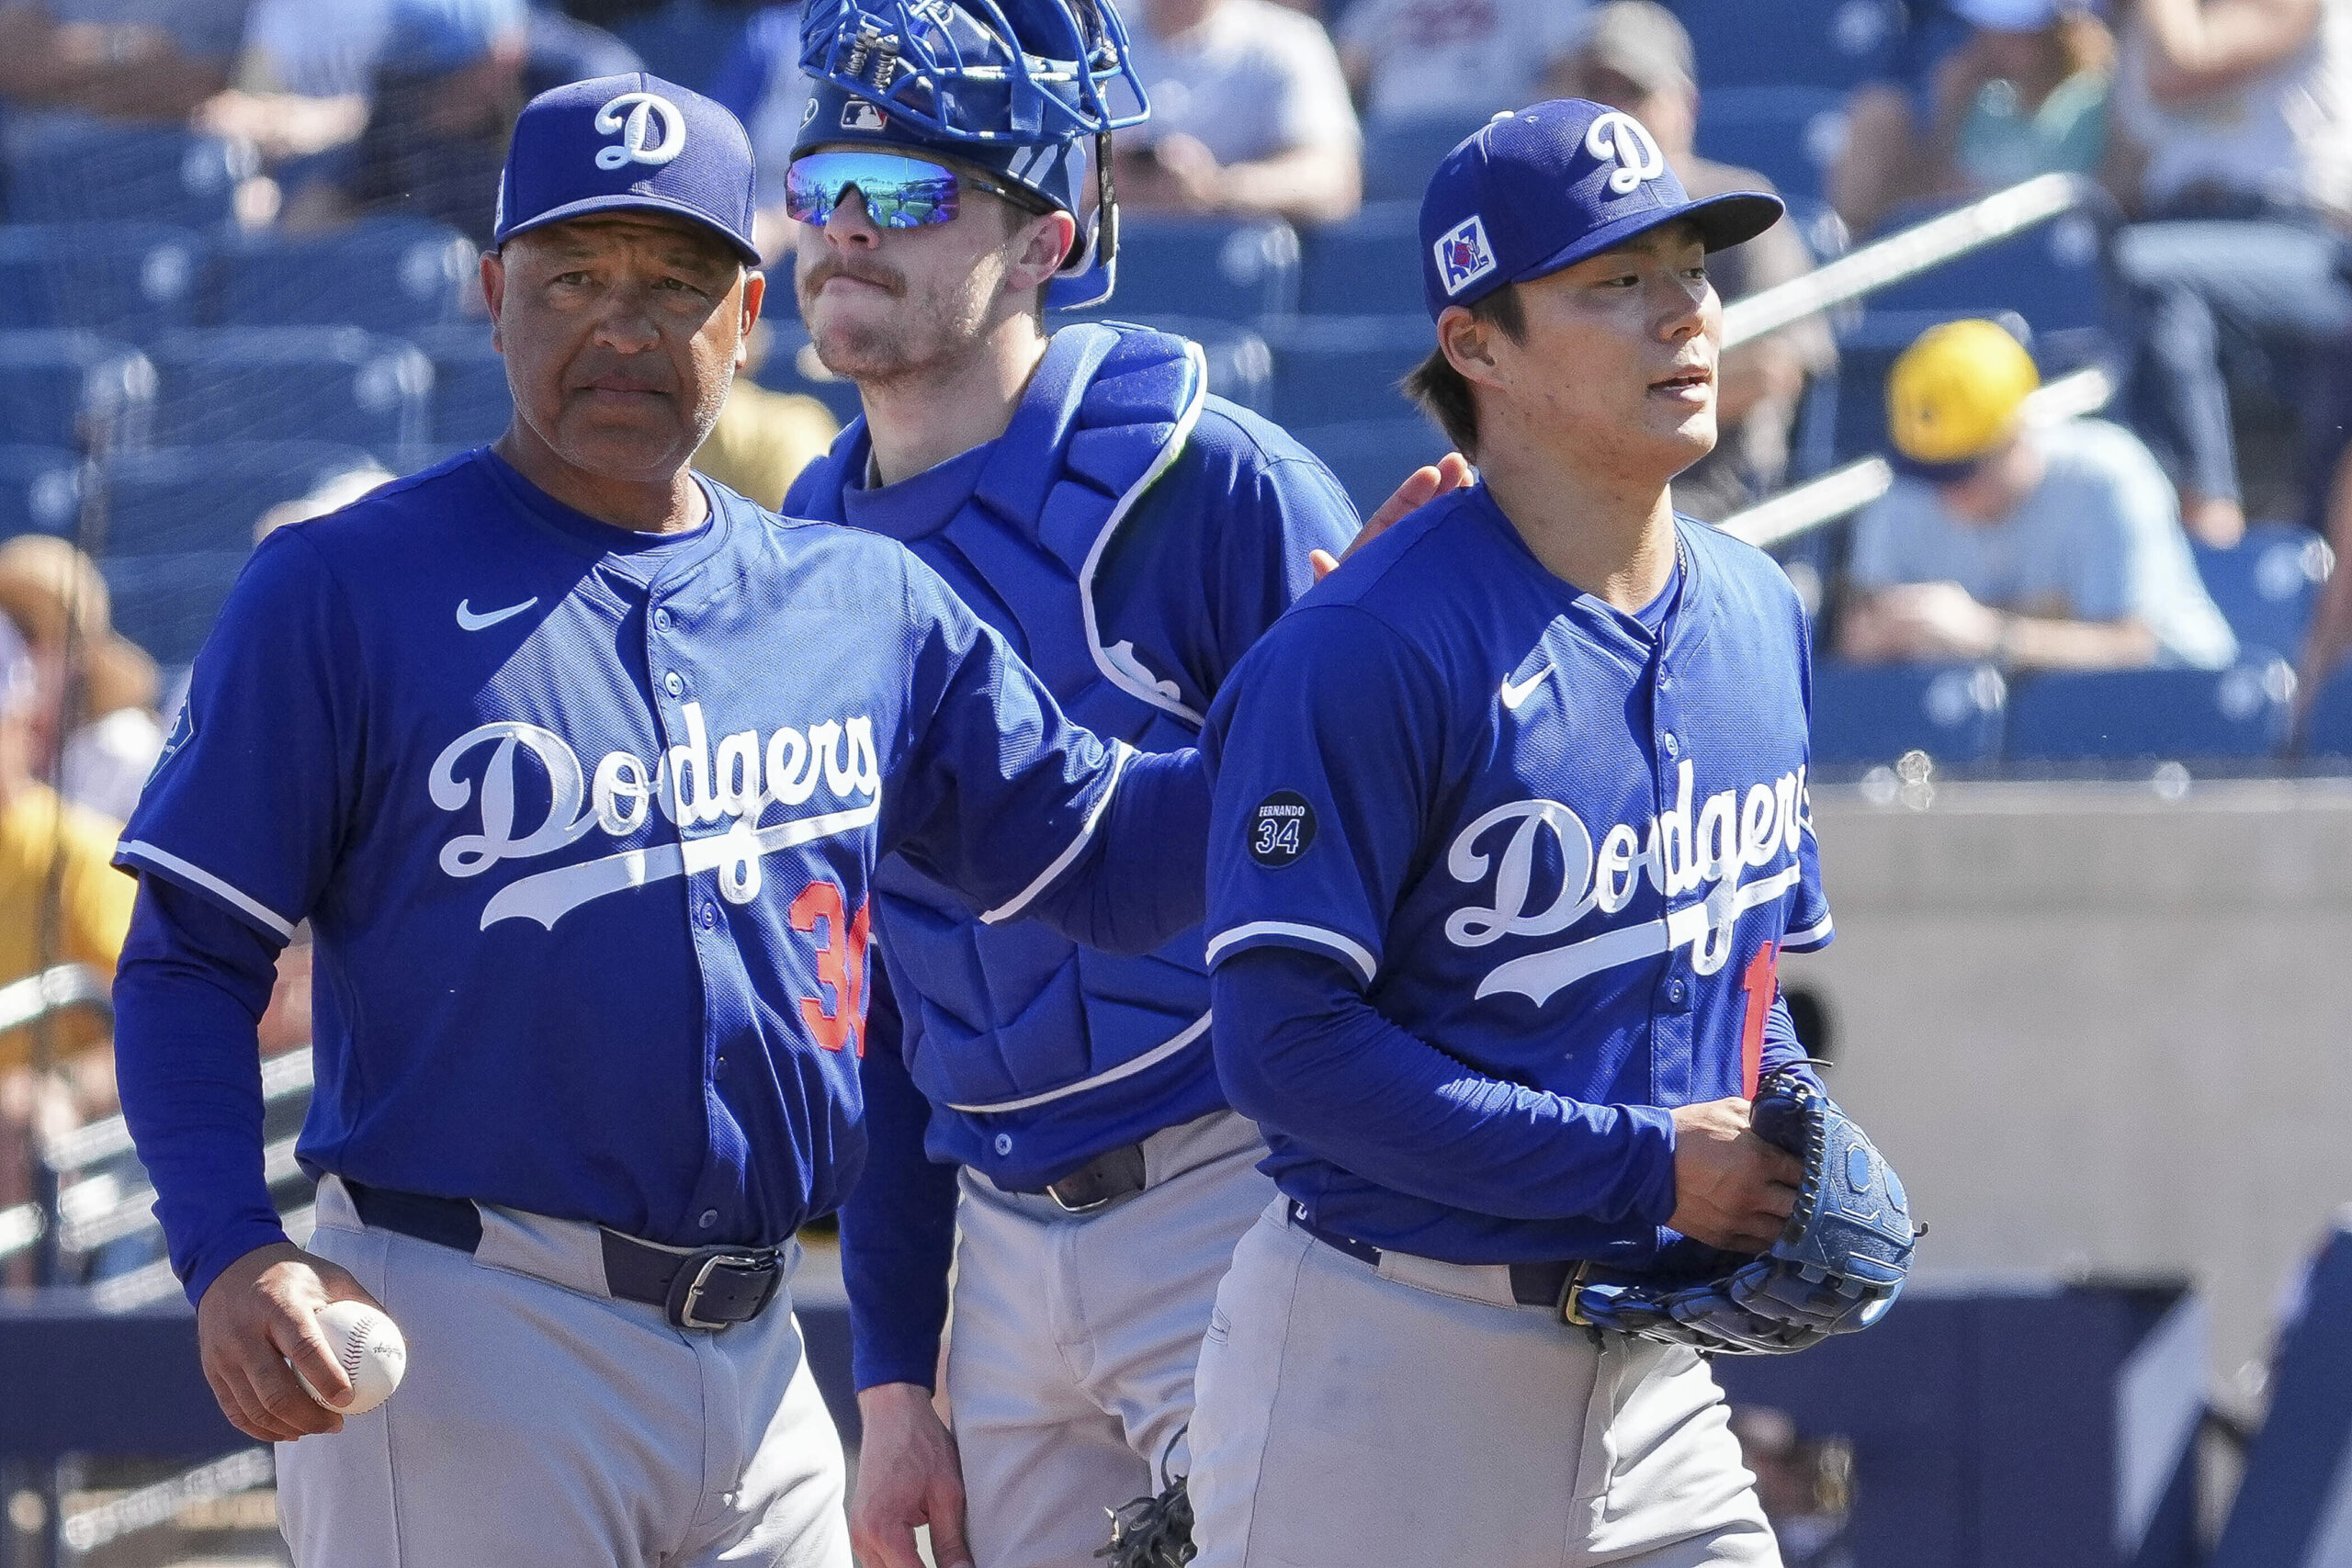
{"points": [[898, 1225], [1301, 1052], [188, 997], [1781, 1047]]}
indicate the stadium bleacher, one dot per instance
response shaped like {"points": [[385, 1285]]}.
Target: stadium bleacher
{"points": [[134, 309]]}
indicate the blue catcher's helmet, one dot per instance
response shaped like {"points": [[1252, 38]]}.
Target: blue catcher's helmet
{"points": [[1021, 89]]}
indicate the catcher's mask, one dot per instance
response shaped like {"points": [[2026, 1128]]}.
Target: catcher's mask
{"points": [[1027, 92]]}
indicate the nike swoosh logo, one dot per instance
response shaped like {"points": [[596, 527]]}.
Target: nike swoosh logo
{"points": [[468, 621], [1514, 696]]}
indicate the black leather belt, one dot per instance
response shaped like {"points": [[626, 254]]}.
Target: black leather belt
{"points": [[1531, 1284], [706, 1288], [1110, 1176]]}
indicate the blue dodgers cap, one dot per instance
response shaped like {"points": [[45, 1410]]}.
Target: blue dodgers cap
{"points": [[1541, 190], [627, 143]]}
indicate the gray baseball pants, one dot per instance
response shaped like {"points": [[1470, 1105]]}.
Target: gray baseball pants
{"points": [[1070, 1358], [543, 1423], [1413, 1416]]}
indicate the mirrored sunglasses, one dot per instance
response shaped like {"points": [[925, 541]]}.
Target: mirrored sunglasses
{"points": [[899, 192]]}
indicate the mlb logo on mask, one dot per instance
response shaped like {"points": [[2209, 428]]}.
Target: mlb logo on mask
{"points": [[859, 115], [1464, 256]]}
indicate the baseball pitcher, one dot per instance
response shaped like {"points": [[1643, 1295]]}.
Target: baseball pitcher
{"points": [[1510, 835]]}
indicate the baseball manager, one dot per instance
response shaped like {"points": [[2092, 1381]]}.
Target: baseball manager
{"points": [[578, 766]]}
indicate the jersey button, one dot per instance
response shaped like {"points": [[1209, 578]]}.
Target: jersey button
{"points": [[1677, 992], [718, 1070], [1004, 1143], [709, 1218], [710, 916], [661, 620], [674, 684], [1670, 744]]}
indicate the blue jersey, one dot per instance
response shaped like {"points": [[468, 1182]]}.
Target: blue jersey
{"points": [[586, 821], [1559, 849]]}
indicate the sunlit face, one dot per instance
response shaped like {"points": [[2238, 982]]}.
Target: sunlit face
{"points": [[1618, 354], [881, 304], [622, 333]]}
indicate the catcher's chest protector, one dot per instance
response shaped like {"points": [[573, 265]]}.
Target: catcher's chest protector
{"points": [[1003, 1013]]}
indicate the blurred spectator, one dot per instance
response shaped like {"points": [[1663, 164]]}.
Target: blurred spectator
{"points": [[1420, 59], [1806, 1488], [1888, 117], [762, 83], [1250, 114], [1636, 57], [2056, 547], [98, 688], [446, 89], [763, 439], [132, 59], [61, 899], [2027, 95], [2238, 114]]}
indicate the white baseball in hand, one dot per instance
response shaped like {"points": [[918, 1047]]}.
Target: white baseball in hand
{"points": [[368, 1346]]}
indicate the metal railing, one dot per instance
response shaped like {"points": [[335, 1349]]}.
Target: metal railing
{"points": [[1943, 238], [1842, 492]]}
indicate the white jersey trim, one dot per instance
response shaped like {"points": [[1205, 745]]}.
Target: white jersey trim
{"points": [[1809, 938], [164, 859], [1117, 662], [1126, 1069], [1121, 753], [1345, 946]]}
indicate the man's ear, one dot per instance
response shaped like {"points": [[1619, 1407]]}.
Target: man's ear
{"points": [[1468, 345], [1039, 248], [755, 294], [493, 292]]}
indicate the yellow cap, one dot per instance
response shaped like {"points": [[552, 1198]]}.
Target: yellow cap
{"points": [[1955, 394]]}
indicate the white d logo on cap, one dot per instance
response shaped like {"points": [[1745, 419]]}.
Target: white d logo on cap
{"points": [[1626, 142], [642, 109]]}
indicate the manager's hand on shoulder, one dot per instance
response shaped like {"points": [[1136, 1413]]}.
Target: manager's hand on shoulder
{"points": [[908, 1475], [1732, 1190], [1420, 487], [260, 1313]]}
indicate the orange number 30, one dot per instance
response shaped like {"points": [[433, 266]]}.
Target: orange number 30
{"points": [[841, 965]]}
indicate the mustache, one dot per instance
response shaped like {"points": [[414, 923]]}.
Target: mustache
{"points": [[881, 276]]}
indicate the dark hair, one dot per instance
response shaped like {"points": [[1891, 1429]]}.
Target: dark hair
{"points": [[1443, 392]]}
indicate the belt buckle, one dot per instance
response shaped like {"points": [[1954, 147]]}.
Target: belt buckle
{"points": [[1568, 1302], [693, 1278], [1066, 1207]]}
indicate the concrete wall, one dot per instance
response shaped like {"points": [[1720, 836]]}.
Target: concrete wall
{"points": [[2100, 1030]]}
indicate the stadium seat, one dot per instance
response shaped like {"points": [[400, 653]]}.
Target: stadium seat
{"points": [[1231, 270], [85, 173], [2048, 275], [2268, 584], [1330, 369], [1399, 159], [387, 274], [1870, 714], [1372, 456], [1813, 43], [1790, 135], [40, 491], [57, 387], [2327, 726], [1867, 349], [129, 279], [2148, 714], [291, 384], [202, 500], [167, 604], [1371, 262], [471, 404]]}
